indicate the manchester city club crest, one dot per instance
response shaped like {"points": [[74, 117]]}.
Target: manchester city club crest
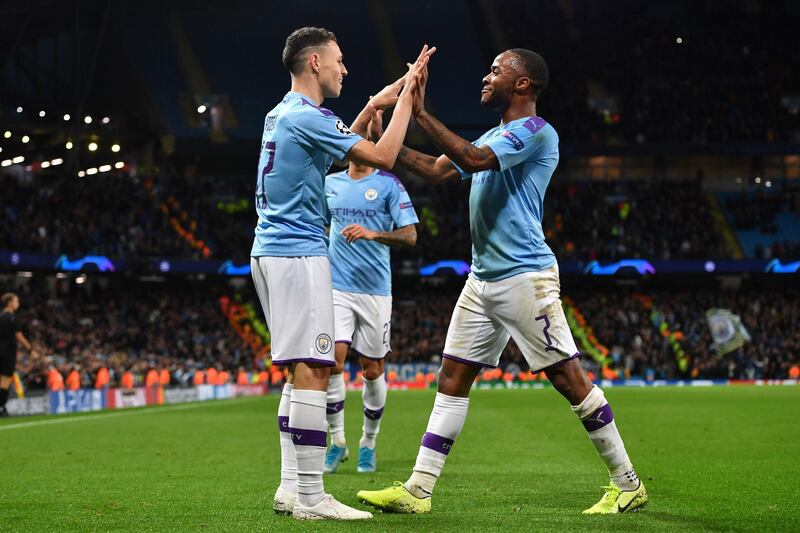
{"points": [[371, 194], [324, 343]]}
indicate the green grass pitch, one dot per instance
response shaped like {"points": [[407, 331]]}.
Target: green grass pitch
{"points": [[713, 459]]}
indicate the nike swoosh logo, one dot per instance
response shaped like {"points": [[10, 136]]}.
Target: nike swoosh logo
{"points": [[623, 509]]}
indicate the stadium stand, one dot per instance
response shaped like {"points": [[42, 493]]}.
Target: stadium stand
{"points": [[182, 327], [184, 186], [653, 219], [127, 326]]}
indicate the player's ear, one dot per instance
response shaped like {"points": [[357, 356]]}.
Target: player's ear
{"points": [[314, 62], [522, 85]]}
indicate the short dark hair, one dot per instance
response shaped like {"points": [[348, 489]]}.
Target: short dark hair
{"points": [[299, 40], [6, 299], [534, 67]]}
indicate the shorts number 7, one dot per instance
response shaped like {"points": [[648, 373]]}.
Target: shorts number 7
{"points": [[544, 330]]}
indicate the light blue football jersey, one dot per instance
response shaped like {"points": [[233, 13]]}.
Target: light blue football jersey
{"points": [[299, 144], [506, 206], [378, 202]]}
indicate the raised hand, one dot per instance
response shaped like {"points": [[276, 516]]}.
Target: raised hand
{"points": [[417, 78], [418, 92], [388, 96], [414, 69], [375, 128]]}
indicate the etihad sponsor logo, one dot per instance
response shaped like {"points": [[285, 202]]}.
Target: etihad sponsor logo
{"points": [[353, 212]]}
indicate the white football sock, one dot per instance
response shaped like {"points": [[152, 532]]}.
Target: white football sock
{"points": [[335, 409], [307, 425], [444, 426], [288, 460], [374, 398], [598, 419]]}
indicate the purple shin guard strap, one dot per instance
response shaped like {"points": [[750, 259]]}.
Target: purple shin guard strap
{"points": [[334, 407], [283, 424], [309, 437], [600, 418], [437, 443], [373, 414]]}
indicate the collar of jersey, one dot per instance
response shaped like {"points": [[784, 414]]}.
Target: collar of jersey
{"points": [[292, 95], [347, 173], [507, 124]]}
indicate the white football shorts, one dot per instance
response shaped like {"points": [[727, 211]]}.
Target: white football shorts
{"points": [[526, 307], [296, 295], [364, 321]]}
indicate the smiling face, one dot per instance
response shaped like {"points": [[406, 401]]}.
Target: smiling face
{"points": [[499, 84], [330, 69]]}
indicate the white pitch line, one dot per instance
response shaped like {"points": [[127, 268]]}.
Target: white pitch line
{"points": [[153, 410]]}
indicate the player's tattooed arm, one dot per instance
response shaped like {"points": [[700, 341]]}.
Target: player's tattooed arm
{"points": [[462, 152], [405, 236], [433, 170]]}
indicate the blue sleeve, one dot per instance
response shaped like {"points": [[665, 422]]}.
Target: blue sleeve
{"points": [[518, 143], [400, 206], [319, 129], [464, 174]]}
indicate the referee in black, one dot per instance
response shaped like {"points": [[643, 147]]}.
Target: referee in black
{"points": [[10, 334]]}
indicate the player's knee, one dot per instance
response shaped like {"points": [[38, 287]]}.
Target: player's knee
{"points": [[453, 382], [372, 370], [311, 376], [571, 381], [371, 374]]}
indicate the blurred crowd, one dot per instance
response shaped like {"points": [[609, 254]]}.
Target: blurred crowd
{"points": [[115, 216], [218, 209], [756, 211], [632, 332], [655, 220], [177, 335], [711, 77], [212, 217], [128, 328], [622, 321]]}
